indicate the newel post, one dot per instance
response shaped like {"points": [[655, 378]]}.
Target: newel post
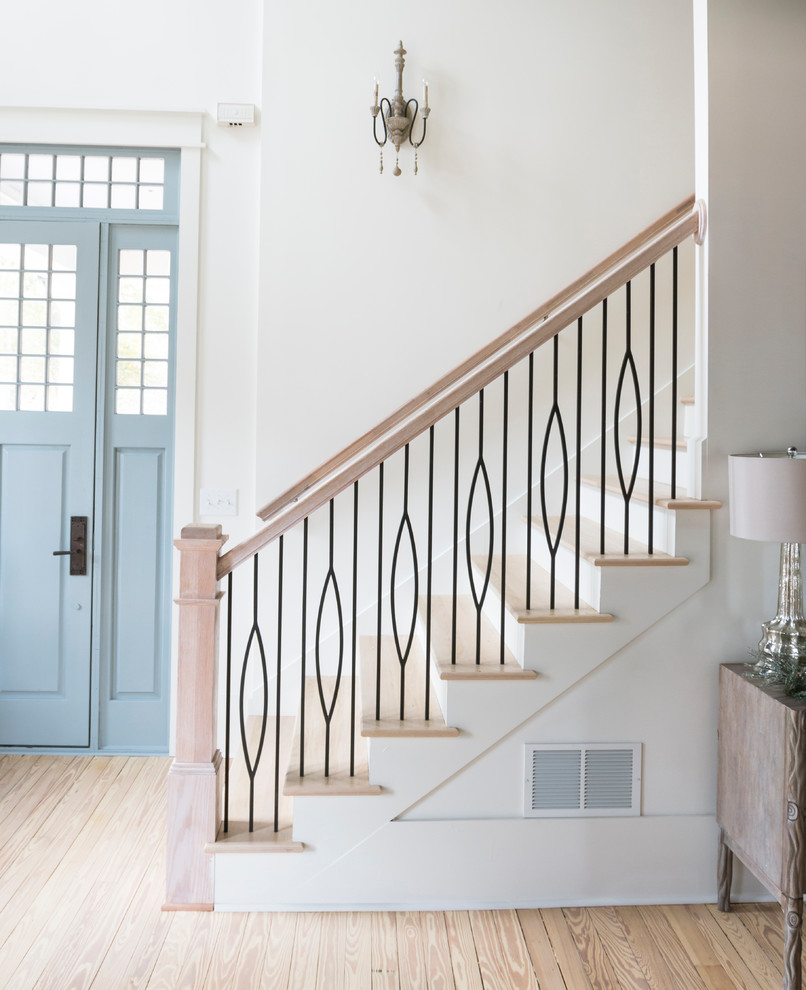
{"points": [[193, 791]]}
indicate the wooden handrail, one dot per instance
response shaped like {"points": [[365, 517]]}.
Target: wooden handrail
{"points": [[474, 374]]}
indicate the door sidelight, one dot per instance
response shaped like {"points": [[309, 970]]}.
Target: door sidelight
{"points": [[78, 546]]}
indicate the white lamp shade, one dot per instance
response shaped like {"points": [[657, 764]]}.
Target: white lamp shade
{"points": [[768, 497]]}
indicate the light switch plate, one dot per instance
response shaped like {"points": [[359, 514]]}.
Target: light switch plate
{"points": [[218, 502]]}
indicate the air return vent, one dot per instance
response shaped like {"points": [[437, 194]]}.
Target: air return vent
{"points": [[591, 779]]}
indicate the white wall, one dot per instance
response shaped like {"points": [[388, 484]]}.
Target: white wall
{"points": [[557, 132]]}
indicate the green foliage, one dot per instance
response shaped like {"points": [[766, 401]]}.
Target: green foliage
{"points": [[789, 672]]}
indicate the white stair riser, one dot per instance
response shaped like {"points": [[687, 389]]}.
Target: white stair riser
{"points": [[663, 519], [663, 465]]}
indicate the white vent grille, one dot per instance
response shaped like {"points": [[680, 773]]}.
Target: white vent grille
{"points": [[592, 779]]}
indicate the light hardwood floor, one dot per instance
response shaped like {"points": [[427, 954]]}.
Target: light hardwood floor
{"points": [[81, 887]]}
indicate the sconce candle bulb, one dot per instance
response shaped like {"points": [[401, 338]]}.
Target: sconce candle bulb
{"points": [[399, 115]]}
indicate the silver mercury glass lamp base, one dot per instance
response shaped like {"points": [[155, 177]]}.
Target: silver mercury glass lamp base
{"points": [[784, 636]]}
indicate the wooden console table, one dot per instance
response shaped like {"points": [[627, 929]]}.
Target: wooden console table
{"points": [[761, 797]]}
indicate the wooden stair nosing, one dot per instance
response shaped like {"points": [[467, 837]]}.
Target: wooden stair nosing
{"points": [[339, 782], [465, 668], [589, 549], [515, 594], [641, 494]]}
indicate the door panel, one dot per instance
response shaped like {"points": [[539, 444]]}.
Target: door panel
{"points": [[48, 355], [138, 495]]}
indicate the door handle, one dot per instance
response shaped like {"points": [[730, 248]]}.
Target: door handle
{"points": [[78, 546]]}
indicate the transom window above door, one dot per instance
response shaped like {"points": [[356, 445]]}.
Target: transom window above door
{"points": [[52, 179]]}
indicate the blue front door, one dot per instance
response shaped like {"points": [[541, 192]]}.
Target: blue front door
{"points": [[48, 361]]}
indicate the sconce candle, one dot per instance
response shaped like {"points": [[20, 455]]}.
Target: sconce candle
{"points": [[394, 114]]}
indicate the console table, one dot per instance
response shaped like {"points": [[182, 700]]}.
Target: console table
{"points": [[761, 797]]}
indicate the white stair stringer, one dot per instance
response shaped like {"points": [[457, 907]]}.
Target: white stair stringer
{"points": [[345, 859]]}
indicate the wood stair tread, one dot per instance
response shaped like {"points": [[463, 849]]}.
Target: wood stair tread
{"points": [[262, 840], [614, 555], [664, 443], [339, 780], [389, 724], [662, 493], [465, 668], [540, 612]]}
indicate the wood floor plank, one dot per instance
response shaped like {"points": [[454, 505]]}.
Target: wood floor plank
{"points": [[171, 958], [125, 962], [729, 955], [358, 951], [669, 947], [200, 953], [701, 949], [744, 942], [519, 970], [332, 946], [464, 962], [565, 949], [385, 971], [489, 950], [279, 951], [659, 970], [618, 948], [224, 961], [410, 956], [439, 972], [538, 944], [31, 811], [305, 958], [591, 950], [765, 923], [251, 959]]}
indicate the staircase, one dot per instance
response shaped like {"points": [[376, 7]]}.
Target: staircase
{"points": [[380, 670]]}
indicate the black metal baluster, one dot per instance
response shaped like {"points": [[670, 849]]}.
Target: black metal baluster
{"points": [[529, 479], [405, 526], [504, 456], [254, 637], [480, 471], [577, 533], [554, 415], [380, 595], [603, 437], [304, 647], [228, 703], [430, 574], [674, 373], [651, 481], [455, 533], [628, 363], [278, 694], [330, 582], [354, 643]]}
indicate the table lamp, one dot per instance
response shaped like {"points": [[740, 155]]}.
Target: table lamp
{"points": [[768, 502]]}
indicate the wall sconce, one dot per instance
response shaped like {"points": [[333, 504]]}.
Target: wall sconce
{"points": [[397, 125]]}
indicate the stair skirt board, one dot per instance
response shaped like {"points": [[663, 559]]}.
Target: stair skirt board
{"points": [[516, 863]]}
